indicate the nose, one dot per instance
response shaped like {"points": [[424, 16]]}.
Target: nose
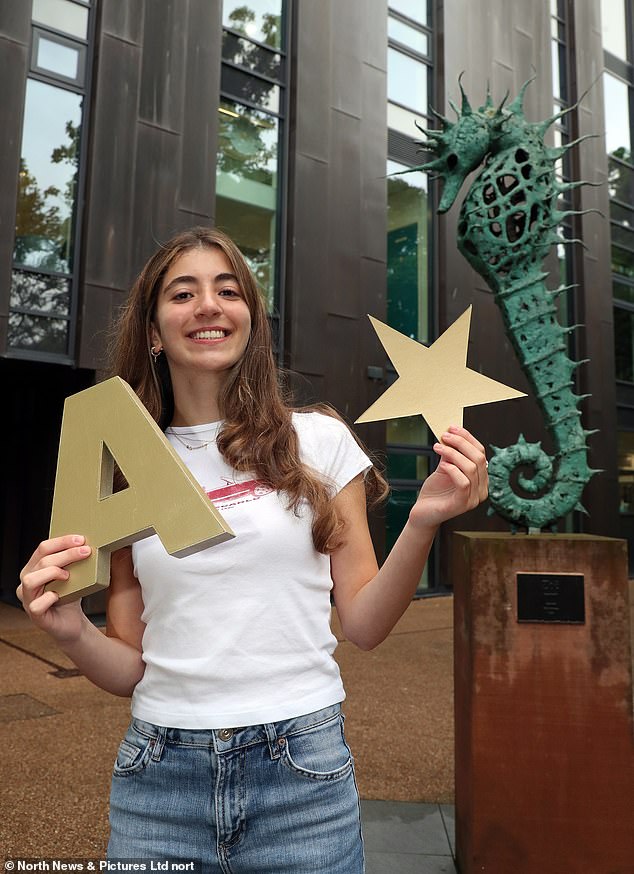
{"points": [[209, 303]]}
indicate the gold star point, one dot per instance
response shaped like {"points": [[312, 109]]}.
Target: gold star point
{"points": [[433, 381]]}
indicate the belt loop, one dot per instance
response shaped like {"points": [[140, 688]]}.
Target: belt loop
{"points": [[159, 743], [271, 736]]}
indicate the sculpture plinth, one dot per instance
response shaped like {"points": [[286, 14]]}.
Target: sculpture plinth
{"points": [[543, 700]]}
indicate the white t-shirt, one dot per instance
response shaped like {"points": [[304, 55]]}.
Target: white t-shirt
{"points": [[239, 634]]}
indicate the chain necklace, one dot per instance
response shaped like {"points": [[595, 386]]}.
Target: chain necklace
{"points": [[187, 445]]}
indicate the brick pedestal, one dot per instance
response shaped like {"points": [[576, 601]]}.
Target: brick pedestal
{"points": [[544, 729]]}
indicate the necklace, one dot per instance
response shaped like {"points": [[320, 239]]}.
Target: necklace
{"points": [[187, 445]]}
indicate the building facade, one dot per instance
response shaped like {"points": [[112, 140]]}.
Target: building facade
{"points": [[286, 123]]}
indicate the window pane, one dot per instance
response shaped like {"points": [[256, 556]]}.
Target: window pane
{"points": [[623, 291], [58, 58], [613, 28], [407, 35], [48, 177], [240, 51], [624, 344], [622, 262], [405, 465], [407, 293], [626, 471], [38, 334], [622, 236], [246, 186], [620, 182], [558, 53], [62, 15], [258, 19], [250, 88], [410, 430], [622, 214], [406, 80], [404, 121], [617, 117], [36, 291], [414, 9]]}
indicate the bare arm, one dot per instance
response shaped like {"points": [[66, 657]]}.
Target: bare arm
{"points": [[370, 601], [112, 661]]}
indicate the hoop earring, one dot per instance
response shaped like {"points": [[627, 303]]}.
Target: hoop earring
{"points": [[155, 353]]}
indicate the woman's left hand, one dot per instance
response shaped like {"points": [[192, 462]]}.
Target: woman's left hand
{"points": [[459, 483]]}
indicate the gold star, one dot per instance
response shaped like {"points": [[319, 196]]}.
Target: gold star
{"points": [[434, 381]]}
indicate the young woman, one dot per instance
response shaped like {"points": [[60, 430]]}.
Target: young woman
{"points": [[235, 756]]}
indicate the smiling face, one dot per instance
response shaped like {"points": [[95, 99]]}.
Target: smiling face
{"points": [[202, 320]]}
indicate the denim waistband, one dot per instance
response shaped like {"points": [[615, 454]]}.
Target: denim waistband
{"points": [[230, 738]]}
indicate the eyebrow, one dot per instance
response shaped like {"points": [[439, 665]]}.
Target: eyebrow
{"points": [[192, 280]]}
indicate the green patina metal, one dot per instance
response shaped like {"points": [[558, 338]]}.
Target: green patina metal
{"points": [[508, 223]]}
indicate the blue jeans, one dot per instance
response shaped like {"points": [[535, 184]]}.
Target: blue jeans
{"points": [[279, 798]]}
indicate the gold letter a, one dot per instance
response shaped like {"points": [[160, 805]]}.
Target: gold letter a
{"points": [[109, 422]]}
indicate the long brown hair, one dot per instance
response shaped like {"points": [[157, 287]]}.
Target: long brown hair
{"points": [[257, 434]]}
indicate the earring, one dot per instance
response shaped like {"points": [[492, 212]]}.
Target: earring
{"points": [[154, 352]]}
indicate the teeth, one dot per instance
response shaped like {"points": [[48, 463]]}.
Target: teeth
{"points": [[207, 335]]}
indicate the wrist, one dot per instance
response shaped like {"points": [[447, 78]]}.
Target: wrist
{"points": [[420, 524], [72, 639]]}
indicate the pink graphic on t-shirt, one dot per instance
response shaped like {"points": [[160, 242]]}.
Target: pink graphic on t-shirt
{"points": [[239, 493]]}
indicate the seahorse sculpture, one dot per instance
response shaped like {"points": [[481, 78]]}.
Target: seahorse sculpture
{"points": [[506, 228]]}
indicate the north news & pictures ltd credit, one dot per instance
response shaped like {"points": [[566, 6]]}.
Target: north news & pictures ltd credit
{"points": [[94, 866]]}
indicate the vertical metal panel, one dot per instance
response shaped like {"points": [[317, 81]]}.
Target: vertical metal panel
{"points": [[310, 270], [123, 20], [109, 225], [372, 156], [152, 166], [163, 63], [595, 312], [200, 109], [337, 213], [310, 94]]}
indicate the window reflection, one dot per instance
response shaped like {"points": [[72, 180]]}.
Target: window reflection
{"points": [[407, 35], [410, 431], [626, 471], [58, 58], [246, 54], [624, 343], [407, 466], [62, 15], [620, 182], [414, 9], [622, 261], [613, 27], [257, 19], [250, 89], [39, 334], [617, 117], [623, 291], [407, 300], [246, 186], [406, 80], [48, 177], [40, 292]]}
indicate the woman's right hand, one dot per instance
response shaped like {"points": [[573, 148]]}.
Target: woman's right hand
{"points": [[48, 563]]}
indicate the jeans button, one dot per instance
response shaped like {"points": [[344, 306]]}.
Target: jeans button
{"points": [[225, 733]]}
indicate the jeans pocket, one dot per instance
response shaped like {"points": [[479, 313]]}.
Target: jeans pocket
{"points": [[319, 752], [134, 752]]}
